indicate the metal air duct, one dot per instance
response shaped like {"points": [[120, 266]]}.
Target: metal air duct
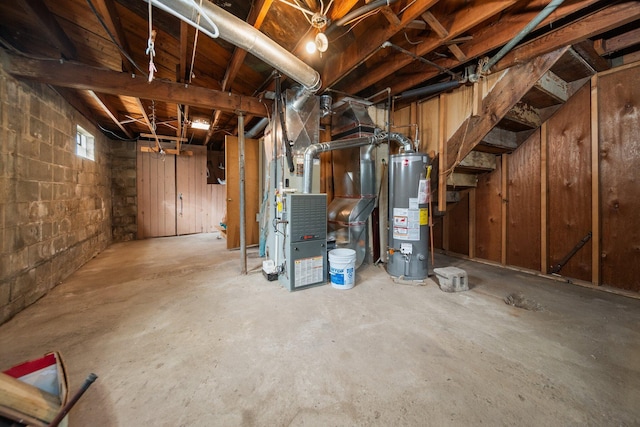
{"points": [[237, 32]]}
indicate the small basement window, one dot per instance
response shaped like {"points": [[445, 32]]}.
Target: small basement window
{"points": [[85, 143]]}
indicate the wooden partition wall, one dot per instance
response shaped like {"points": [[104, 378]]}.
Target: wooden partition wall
{"points": [[577, 174]]}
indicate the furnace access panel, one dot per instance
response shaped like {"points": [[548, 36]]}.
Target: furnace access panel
{"points": [[306, 240]]}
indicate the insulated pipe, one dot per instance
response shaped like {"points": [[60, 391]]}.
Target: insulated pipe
{"points": [[245, 36], [429, 90], [313, 150], [522, 34], [362, 10]]}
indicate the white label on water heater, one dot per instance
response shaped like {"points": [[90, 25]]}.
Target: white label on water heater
{"points": [[413, 203]]}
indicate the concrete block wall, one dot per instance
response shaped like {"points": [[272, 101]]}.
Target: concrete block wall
{"points": [[55, 207], [124, 190]]}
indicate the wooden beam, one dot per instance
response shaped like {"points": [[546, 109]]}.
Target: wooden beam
{"points": [[620, 41], [442, 32], [256, 18], [597, 23], [484, 41], [163, 137], [524, 114], [338, 66], [85, 77], [107, 109], [111, 19], [143, 111], [553, 86], [462, 180], [390, 15], [505, 94], [595, 185], [27, 399], [588, 53], [472, 223], [183, 68], [38, 9], [442, 155], [477, 12], [505, 205]]}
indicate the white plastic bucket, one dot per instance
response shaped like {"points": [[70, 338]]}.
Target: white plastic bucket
{"points": [[342, 268]]}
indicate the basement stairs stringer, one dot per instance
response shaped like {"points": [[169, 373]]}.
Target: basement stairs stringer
{"points": [[524, 98]]}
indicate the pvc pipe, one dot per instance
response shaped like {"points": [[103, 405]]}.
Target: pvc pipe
{"points": [[245, 36]]}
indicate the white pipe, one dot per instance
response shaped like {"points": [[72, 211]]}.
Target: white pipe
{"points": [[245, 36]]}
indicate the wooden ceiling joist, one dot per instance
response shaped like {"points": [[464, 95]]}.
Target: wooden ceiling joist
{"points": [[256, 18], [109, 14], [477, 12], [340, 65], [41, 13], [107, 109], [619, 42], [84, 77], [493, 37], [590, 26]]}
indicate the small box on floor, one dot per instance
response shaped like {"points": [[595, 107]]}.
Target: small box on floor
{"points": [[452, 279]]}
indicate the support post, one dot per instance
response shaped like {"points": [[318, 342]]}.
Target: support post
{"points": [[544, 223], [595, 185], [243, 239]]}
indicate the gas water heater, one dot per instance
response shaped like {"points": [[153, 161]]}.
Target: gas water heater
{"points": [[408, 216]]}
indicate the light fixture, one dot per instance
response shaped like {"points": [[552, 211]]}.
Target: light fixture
{"points": [[200, 124], [311, 46], [320, 43]]}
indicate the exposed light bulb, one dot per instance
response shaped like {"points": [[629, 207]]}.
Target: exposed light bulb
{"points": [[311, 46]]}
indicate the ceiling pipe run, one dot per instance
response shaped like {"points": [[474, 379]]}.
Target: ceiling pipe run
{"points": [[429, 90], [237, 32], [313, 150], [553, 5], [363, 10]]}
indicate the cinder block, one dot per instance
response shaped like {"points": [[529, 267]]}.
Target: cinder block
{"points": [[30, 234], [452, 279], [23, 284], [27, 191], [5, 293]]}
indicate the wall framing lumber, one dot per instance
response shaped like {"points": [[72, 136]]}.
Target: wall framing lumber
{"points": [[544, 199], [595, 185], [505, 207]]}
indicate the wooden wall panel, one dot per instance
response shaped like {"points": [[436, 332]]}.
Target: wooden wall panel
{"points": [[428, 121], [216, 206], [489, 215], [619, 134], [252, 191], [191, 181], [437, 232], [458, 224], [523, 217], [156, 194], [569, 184]]}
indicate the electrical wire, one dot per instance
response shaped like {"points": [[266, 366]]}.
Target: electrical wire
{"points": [[113, 39]]}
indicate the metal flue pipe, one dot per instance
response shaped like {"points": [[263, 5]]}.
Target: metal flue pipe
{"points": [[237, 32], [313, 150]]}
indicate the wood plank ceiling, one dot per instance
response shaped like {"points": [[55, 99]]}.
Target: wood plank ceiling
{"points": [[94, 52]]}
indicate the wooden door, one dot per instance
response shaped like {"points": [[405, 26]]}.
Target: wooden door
{"points": [[156, 187], [191, 191], [252, 191]]}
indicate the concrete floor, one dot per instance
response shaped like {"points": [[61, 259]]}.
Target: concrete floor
{"points": [[179, 338]]}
